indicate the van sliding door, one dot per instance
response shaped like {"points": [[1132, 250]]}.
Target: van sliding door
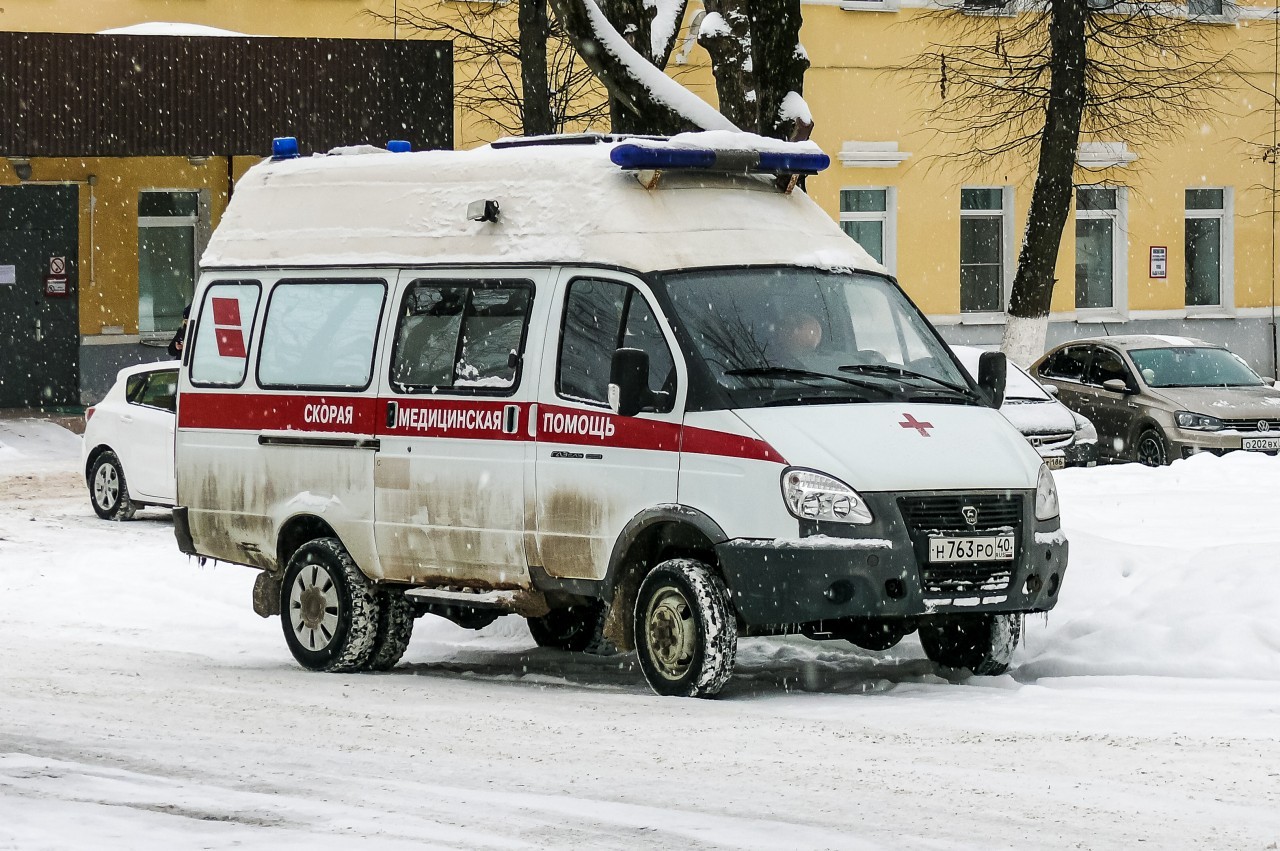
{"points": [[453, 405]]}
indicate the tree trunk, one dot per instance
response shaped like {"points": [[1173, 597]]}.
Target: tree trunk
{"points": [[732, 63], [780, 63], [535, 30], [634, 107], [1028, 319]]}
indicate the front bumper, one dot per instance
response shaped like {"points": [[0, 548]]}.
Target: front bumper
{"points": [[834, 571], [1183, 443]]}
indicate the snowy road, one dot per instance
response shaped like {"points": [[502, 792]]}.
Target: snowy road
{"points": [[143, 704]]}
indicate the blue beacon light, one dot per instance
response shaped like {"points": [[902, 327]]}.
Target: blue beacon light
{"points": [[284, 148], [399, 146]]}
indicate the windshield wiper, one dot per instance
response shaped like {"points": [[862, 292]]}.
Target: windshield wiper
{"points": [[802, 375], [890, 369]]}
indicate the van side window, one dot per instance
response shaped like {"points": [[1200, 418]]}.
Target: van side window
{"points": [[599, 318], [464, 337], [220, 347], [320, 334], [1068, 364]]}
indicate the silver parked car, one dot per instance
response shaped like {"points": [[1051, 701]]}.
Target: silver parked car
{"points": [[1154, 399], [1061, 436]]}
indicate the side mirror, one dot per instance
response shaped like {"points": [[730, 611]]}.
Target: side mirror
{"points": [[629, 382], [1115, 385], [1051, 389], [993, 372]]}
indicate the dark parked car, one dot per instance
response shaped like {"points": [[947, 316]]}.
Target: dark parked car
{"points": [[1154, 399]]}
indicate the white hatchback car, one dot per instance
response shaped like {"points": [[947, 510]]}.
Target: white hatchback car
{"points": [[128, 442]]}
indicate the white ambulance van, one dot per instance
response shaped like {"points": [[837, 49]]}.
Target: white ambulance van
{"points": [[636, 391]]}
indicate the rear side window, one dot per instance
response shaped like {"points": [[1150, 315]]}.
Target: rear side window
{"points": [[1068, 364], [599, 318], [320, 334], [220, 351], [461, 337], [157, 390], [1106, 366]]}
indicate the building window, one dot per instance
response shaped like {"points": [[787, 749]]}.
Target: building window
{"points": [[867, 216], [983, 250], [1099, 247], [1206, 244], [169, 237], [1205, 8]]}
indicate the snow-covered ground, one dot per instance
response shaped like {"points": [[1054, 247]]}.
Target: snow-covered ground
{"points": [[144, 705]]}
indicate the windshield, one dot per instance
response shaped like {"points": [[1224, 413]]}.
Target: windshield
{"points": [[797, 336], [1193, 366]]}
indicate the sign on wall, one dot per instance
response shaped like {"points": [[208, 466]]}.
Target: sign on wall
{"points": [[1159, 261], [8, 275]]}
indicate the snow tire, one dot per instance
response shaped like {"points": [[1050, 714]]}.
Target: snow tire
{"points": [[1151, 449], [108, 490], [329, 609], [982, 643], [395, 628], [685, 628], [573, 629]]}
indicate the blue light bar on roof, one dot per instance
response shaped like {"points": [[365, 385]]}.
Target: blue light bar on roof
{"points": [[633, 157], [284, 148], [399, 146]]}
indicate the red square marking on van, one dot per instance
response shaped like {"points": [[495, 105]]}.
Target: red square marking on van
{"points": [[230, 343], [226, 311]]}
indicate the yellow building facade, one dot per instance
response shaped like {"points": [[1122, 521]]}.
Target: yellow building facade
{"points": [[949, 230]]}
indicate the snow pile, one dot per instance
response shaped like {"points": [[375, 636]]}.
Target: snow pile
{"points": [[34, 444], [1173, 572], [165, 28]]}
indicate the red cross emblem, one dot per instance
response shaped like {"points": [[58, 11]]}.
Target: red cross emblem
{"points": [[909, 421]]}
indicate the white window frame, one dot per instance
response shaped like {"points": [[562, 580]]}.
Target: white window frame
{"points": [[200, 229], [1226, 252], [1119, 309], [870, 5], [889, 218], [1007, 254]]}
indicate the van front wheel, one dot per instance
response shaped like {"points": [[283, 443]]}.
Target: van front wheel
{"points": [[982, 643], [686, 632], [328, 608]]}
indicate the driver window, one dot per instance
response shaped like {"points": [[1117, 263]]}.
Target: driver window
{"points": [[1106, 366]]}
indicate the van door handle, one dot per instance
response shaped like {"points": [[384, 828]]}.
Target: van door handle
{"points": [[392, 409]]}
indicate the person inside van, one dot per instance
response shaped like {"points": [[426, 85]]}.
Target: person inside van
{"points": [[798, 336]]}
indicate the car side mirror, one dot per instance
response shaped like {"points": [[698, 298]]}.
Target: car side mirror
{"points": [[1051, 389], [1116, 385], [993, 373], [629, 392]]}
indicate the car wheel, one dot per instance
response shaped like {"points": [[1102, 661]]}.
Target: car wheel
{"points": [[329, 610], [395, 628], [572, 629], [685, 628], [1150, 449], [982, 643], [107, 489]]}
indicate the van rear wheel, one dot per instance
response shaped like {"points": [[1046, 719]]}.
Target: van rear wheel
{"points": [[982, 643], [685, 628], [572, 628], [329, 609], [395, 628]]}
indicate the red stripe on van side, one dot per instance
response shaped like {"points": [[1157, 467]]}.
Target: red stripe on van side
{"points": [[595, 427], [454, 419], [702, 441], [264, 412]]}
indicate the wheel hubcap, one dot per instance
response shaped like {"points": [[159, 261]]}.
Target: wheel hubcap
{"points": [[106, 487], [1150, 452], [671, 634], [313, 607]]}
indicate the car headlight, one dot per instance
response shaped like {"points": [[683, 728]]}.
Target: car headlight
{"points": [[814, 496], [1046, 495], [1197, 422], [1085, 432]]}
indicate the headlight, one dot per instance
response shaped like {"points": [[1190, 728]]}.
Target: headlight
{"points": [[1046, 495], [1085, 432], [1197, 422], [814, 496]]}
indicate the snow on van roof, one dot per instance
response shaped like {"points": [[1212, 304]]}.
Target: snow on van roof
{"points": [[564, 203]]}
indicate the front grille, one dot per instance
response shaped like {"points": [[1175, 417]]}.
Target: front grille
{"points": [[964, 580], [1252, 425], [943, 514], [1051, 441]]}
